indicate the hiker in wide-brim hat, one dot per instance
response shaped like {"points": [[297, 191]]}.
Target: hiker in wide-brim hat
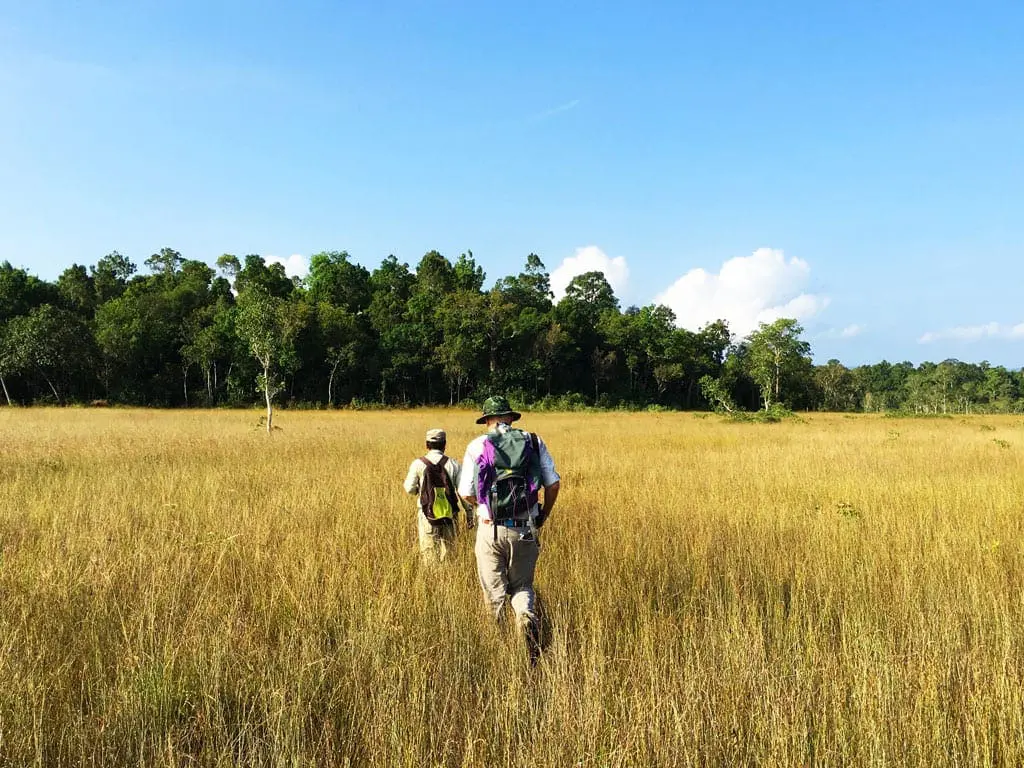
{"points": [[510, 476], [496, 407]]}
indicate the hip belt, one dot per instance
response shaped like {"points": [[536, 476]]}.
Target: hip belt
{"points": [[508, 523]]}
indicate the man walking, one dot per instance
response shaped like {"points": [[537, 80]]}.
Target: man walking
{"points": [[434, 478], [502, 473]]}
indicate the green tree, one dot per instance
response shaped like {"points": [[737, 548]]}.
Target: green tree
{"points": [[268, 325], [48, 341], [717, 394], [21, 292], [341, 339], [466, 275], [110, 276], [463, 352], [166, 262], [271, 279], [776, 353], [336, 280], [521, 307], [391, 285], [229, 266], [77, 290], [207, 340], [588, 298], [837, 385], [431, 290]]}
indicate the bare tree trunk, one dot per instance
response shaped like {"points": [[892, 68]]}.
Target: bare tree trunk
{"points": [[330, 384], [266, 392], [4, 385], [53, 389], [778, 376], [184, 381]]}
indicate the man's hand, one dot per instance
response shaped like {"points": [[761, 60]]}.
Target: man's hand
{"points": [[550, 495], [468, 506]]}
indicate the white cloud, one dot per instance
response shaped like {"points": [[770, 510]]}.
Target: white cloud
{"points": [[590, 259], [850, 331], [294, 265], [556, 110], [747, 290], [975, 333]]}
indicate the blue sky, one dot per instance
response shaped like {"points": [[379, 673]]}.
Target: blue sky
{"points": [[858, 164]]}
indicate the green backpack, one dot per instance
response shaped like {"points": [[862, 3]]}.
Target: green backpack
{"points": [[508, 474], [438, 501]]}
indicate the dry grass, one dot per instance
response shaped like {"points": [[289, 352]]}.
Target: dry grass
{"points": [[178, 589]]}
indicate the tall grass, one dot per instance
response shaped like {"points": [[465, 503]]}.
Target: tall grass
{"points": [[179, 589]]}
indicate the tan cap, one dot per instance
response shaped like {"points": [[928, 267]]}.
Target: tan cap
{"points": [[436, 436]]}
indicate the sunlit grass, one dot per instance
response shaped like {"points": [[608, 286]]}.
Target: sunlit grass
{"points": [[180, 589]]}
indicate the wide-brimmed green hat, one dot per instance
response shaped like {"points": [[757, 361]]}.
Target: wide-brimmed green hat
{"points": [[497, 406]]}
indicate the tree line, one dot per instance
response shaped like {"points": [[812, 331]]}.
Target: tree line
{"points": [[187, 334]]}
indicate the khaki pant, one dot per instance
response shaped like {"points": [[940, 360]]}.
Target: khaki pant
{"points": [[505, 564], [436, 541]]}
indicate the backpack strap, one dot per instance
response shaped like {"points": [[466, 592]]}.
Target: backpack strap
{"points": [[431, 475]]}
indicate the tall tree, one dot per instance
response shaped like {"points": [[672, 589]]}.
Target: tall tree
{"points": [[77, 290], [777, 352], [268, 325], [166, 261], [333, 278], [340, 340], [50, 342], [110, 276], [271, 279], [587, 299], [391, 284], [467, 275], [837, 385], [21, 292]]}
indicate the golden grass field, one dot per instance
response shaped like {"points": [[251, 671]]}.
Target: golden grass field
{"points": [[180, 589]]}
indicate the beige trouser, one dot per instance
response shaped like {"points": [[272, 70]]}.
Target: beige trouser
{"points": [[436, 541], [505, 565]]}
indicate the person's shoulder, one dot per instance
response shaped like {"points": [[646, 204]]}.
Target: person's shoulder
{"points": [[475, 448], [476, 443]]}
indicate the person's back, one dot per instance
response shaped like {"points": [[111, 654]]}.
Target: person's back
{"points": [[433, 478], [502, 473]]}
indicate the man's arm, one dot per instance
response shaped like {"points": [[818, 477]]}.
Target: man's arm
{"points": [[455, 475], [467, 485], [550, 479], [412, 479], [550, 496]]}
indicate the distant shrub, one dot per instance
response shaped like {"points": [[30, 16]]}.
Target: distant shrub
{"points": [[915, 415], [773, 415], [571, 402]]}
